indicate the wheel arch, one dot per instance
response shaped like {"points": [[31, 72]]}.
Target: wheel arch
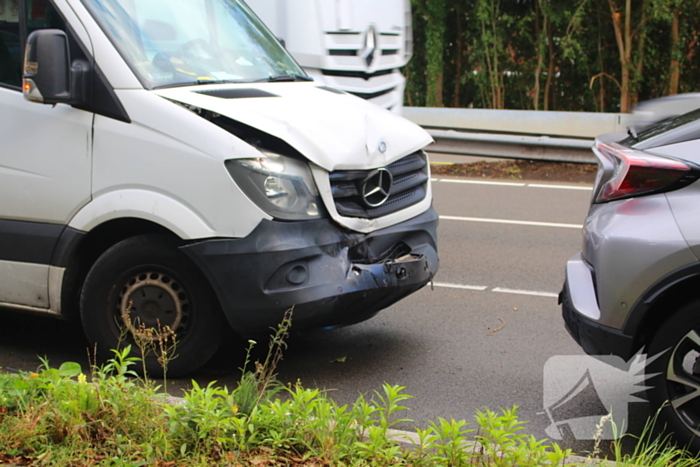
{"points": [[660, 302], [158, 208], [78, 252]]}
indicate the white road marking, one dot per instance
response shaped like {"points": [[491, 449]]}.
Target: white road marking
{"points": [[482, 288], [525, 292], [460, 286], [509, 221], [525, 185], [561, 187], [479, 182]]}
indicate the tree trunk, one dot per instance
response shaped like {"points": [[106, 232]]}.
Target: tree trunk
{"points": [[408, 96], [434, 45], [491, 54], [675, 77], [601, 84], [551, 69], [623, 37], [499, 89], [489, 67], [458, 62], [641, 49], [625, 104], [540, 57]]}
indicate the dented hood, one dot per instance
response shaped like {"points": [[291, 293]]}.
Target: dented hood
{"points": [[333, 130]]}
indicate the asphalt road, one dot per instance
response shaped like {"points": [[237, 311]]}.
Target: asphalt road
{"points": [[480, 338]]}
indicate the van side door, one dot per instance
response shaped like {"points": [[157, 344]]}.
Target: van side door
{"points": [[45, 162]]}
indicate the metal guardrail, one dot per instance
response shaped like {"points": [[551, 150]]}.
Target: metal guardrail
{"points": [[512, 146], [520, 134], [540, 123]]}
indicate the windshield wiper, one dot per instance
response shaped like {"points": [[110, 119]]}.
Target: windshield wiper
{"points": [[271, 79], [288, 77], [218, 81], [198, 82]]}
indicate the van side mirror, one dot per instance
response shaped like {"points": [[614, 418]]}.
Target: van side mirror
{"points": [[46, 78]]}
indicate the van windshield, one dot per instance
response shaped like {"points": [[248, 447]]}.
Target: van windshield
{"points": [[184, 42]]}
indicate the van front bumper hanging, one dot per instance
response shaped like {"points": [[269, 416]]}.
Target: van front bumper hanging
{"points": [[331, 276]]}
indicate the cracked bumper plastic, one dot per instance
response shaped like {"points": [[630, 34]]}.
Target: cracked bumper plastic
{"points": [[331, 276]]}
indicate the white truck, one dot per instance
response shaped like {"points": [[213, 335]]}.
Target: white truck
{"points": [[357, 46], [167, 164]]}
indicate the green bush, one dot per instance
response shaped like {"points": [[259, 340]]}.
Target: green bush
{"points": [[59, 417]]}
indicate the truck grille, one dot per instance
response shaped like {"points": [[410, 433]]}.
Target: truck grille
{"points": [[409, 186], [371, 95], [357, 74]]}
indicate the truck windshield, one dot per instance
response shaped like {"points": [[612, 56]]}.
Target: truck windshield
{"points": [[183, 42]]}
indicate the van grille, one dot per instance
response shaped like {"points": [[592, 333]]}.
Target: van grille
{"points": [[410, 186]]}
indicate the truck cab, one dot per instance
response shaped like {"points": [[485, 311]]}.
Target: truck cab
{"points": [[357, 46]]}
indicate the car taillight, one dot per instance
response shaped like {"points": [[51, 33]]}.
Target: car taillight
{"points": [[638, 173]]}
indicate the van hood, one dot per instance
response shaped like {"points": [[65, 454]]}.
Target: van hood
{"points": [[332, 129]]}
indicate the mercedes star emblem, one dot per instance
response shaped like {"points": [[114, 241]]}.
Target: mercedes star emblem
{"points": [[370, 46], [376, 188]]}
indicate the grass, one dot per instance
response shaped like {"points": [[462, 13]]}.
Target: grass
{"points": [[56, 417], [112, 417]]}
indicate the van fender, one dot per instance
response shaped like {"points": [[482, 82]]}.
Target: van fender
{"points": [[161, 209]]}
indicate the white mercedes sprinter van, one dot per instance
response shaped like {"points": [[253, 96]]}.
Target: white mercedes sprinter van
{"points": [[165, 163]]}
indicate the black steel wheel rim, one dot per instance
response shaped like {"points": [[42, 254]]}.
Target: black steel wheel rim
{"points": [[154, 300]]}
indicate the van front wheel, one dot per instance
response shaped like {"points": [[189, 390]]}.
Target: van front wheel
{"points": [[146, 293]]}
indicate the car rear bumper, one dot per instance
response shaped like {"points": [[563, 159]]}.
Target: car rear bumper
{"points": [[331, 276], [581, 313]]}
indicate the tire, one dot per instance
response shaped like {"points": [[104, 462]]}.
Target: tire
{"points": [[146, 283], [677, 342]]}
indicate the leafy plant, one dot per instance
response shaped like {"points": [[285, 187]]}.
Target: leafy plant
{"points": [[502, 444], [260, 382], [58, 417]]}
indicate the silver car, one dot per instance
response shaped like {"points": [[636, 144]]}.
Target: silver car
{"points": [[636, 283], [651, 112]]}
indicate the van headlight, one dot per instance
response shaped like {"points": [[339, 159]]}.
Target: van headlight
{"points": [[281, 186]]}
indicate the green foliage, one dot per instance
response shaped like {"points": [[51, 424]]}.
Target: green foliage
{"points": [[652, 450], [502, 444], [564, 53], [58, 412], [434, 15], [59, 417]]}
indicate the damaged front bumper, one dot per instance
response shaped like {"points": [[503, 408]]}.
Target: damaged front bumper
{"points": [[331, 276]]}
